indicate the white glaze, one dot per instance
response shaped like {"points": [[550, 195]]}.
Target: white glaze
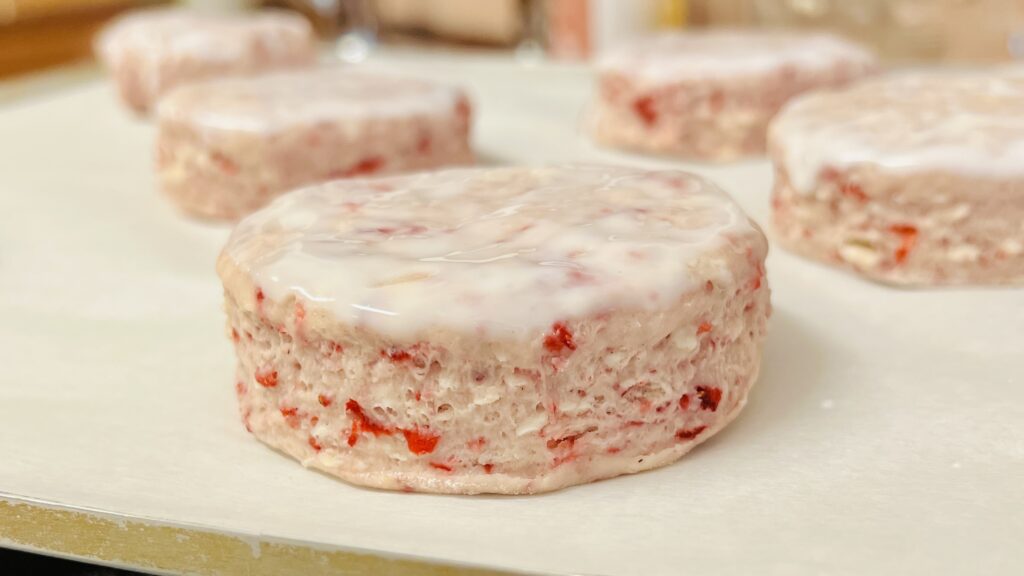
{"points": [[282, 100], [673, 57], [162, 33], [501, 251], [969, 123]]}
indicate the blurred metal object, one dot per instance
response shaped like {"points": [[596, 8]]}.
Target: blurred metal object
{"points": [[530, 49], [350, 24], [358, 26]]}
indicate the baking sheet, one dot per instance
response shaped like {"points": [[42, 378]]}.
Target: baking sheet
{"points": [[884, 436]]}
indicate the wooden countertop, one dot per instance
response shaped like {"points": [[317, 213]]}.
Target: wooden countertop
{"points": [[37, 34]]}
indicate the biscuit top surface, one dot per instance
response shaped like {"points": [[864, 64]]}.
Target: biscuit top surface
{"points": [[282, 99], [678, 56], [493, 252], [159, 33], [962, 122]]}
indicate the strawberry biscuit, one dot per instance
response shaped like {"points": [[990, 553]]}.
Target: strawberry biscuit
{"points": [[505, 330], [151, 51], [227, 147], [710, 95], [915, 179]]}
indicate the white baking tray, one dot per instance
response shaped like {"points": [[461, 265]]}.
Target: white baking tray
{"points": [[884, 436]]}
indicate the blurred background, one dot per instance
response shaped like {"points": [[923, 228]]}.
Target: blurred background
{"points": [[36, 34]]}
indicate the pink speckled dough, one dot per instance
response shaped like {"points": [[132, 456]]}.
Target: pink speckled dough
{"points": [[151, 51], [709, 95], [505, 330], [227, 147], [920, 191]]}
